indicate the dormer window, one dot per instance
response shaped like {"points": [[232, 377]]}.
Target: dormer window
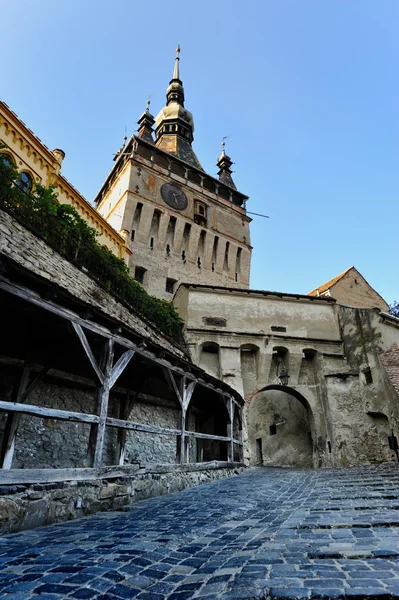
{"points": [[200, 213]]}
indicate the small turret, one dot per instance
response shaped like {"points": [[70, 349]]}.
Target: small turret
{"points": [[224, 163], [145, 123]]}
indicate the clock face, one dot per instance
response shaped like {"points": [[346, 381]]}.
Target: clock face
{"points": [[174, 196]]}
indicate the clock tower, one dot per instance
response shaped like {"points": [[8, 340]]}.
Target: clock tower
{"points": [[182, 225]]}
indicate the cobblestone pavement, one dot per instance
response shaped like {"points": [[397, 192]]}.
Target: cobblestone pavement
{"points": [[269, 533]]}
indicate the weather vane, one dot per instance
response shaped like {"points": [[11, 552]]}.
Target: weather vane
{"points": [[149, 102], [224, 143]]}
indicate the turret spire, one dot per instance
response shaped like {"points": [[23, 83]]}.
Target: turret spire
{"points": [[146, 122], [177, 60], [224, 163]]}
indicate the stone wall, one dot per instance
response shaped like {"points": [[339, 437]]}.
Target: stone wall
{"points": [[51, 443], [29, 506]]}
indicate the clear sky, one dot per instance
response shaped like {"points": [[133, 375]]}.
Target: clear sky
{"points": [[308, 90]]}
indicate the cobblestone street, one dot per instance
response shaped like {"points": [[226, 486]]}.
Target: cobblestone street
{"points": [[279, 533]]}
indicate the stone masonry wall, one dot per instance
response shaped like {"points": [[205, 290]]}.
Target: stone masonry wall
{"points": [[51, 443], [29, 506], [390, 360]]}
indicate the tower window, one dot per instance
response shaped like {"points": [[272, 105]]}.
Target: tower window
{"points": [[200, 212], [139, 274], [170, 285]]}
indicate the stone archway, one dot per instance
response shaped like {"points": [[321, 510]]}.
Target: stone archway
{"points": [[280, 428]]}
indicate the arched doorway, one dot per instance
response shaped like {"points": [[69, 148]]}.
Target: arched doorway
{"points": [[280, 428]]}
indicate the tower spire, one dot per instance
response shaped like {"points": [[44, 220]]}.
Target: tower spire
{"points": [[177, 60], [146, 122], [224, 163], [174, 124]]}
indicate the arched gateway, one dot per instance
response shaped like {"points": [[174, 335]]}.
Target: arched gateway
{"points": [[280, 428]]}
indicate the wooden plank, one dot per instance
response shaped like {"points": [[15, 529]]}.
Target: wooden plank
{"points": [[53, 413], [103, 402], [12, 423], [26, 476], [188, 392], [86, 346], [14, 476], [111, 422], [120, 366], [206, 436], [230, 446], [172, 384], [181, 440]]}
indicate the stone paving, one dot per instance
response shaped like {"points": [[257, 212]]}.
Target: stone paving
{"points": [[269, 533]]}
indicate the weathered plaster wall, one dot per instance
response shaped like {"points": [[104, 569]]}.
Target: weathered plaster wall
{"points": [[279, 431], [163, 246], [330, 353], [353, 290]]}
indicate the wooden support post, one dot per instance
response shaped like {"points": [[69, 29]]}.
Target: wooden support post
{"points": [[230, 431], [12, 423], [103, 398], [184, 395], [240, 437], [126, 407]]}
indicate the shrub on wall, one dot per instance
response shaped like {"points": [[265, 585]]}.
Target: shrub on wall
{"points": [[61, 226]]}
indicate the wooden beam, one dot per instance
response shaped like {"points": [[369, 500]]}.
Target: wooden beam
{"points": [[26, 476], [120, 366], [111, 422], [206, 436], [103, 403], [67, 415], [188, 392], [14, 476], [86, 346], [13, 420], [53, 413], [170, 380], [230, 446]]}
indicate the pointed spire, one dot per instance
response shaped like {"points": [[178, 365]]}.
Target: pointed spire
{"points": [[145, 123], [175, 91], [177, 60], [224, 163]]}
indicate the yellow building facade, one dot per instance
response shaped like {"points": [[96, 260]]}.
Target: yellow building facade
{"points": [[38, 164]]}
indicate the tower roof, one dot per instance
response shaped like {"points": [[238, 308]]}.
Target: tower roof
{"points": [[174, 124], [146, 122], [224, 163]]}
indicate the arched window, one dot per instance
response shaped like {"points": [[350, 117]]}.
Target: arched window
{"points": [[6, 159], [25, 182]]}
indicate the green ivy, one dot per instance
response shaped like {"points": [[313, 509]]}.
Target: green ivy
{"points": [[64, 229]]}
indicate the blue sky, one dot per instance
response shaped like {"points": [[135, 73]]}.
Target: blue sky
{"points": [[307, 89]]}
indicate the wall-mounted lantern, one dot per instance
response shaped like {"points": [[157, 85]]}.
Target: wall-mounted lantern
{"points": [[283, 377]]}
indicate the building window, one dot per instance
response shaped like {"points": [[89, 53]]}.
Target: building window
{"points": [[25, 182], [170, 286], [139, 274], [272, 429], [200, 212], [6, 159]]}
